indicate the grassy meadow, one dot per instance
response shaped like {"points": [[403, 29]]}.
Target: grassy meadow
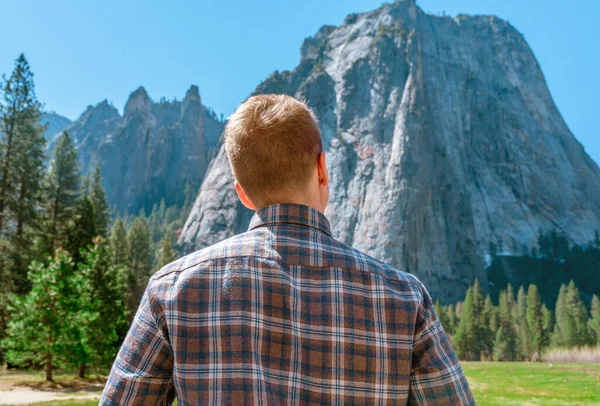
{"points": [[492, 383], [526, 383]]}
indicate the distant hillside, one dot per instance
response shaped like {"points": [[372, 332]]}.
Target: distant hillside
{"points": [[56, 123], [153, 152]]}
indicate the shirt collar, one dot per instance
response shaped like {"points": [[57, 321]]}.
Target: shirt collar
{"points": [[290, 213]]}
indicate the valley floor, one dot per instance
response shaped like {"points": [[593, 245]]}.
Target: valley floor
{"points": [[26, 388], [492, 383], [525, 383]]}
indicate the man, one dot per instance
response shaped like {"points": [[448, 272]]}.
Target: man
{"points": [[284, 313]]}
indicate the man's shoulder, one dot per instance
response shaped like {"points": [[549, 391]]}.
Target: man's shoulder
{"points": [[367, 263], [226, 248], [238, 245]]}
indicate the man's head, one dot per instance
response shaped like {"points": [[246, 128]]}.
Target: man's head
{"points": [[275, 150]]}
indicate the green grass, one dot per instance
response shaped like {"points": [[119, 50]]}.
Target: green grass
{"points": [[508, 383], [524, 383]]}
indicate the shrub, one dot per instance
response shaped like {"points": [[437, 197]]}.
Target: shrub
{"points": [[582, 354]]}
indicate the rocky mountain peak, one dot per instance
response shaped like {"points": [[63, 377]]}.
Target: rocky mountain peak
{"points": [[101, 111], [193, 94], [409, 6], [152, 152], [138, 101], [312, 46]]}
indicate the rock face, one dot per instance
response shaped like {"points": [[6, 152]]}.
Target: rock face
{"points": [[151, 152], [89, 130], [55, 123], [441, 137]]}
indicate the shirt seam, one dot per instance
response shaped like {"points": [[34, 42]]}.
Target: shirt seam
{"points": [[278, 223], [156, 278]]}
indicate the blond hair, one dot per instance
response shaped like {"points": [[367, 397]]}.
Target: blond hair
{"points": [[272, 142]]}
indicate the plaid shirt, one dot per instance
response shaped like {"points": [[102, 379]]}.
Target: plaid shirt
{"points": [[285, 314]]}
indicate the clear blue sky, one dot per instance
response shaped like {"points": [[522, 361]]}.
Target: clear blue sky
{"points": [[85, 51]]}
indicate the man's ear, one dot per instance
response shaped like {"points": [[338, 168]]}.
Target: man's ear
{"points": [[243, 196], [322, 169]]}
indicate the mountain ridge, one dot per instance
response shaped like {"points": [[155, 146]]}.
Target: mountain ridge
{"points": [[149, 153]]}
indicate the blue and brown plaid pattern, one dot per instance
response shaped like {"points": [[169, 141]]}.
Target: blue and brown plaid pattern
{"points": [[285, 314]]}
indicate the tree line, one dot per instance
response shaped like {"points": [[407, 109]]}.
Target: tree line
{"points": [[72, 276], [554, 261], [521, 327]]}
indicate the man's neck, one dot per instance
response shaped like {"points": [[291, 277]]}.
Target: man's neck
{"points": [[304, 202]]}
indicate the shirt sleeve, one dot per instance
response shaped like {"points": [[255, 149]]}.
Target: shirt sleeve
{"points": [[436, 377], [142, 373]]}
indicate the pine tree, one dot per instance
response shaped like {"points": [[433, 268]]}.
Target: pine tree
{"points": [[559, 246], [469, 336], [522, 327], [464, 337], [502, 347], [489, 326], [18, 101], [98, 196], [510, 300], [459, 310], [494, 320], [576, 309], [29, 179], [569, 330], [126, 217], [594, 322], [451, 320], [139, 247], [548, 326], [162, 210], [505, 341], [21, 166], [82, 230], [535, 321], [118, 244], [43, 322], [171, 214], [189, 196], [440, 312], [62, 193], [480, 322], [166, 255], [558, 339], [106, 292]]}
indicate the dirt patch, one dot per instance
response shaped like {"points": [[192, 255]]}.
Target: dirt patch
{"points": [[67, 385], [8, 379], [21, 388], [25, 396]]}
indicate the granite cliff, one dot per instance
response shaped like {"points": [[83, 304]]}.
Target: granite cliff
{"points": [[441, 137], [151, 152]]}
